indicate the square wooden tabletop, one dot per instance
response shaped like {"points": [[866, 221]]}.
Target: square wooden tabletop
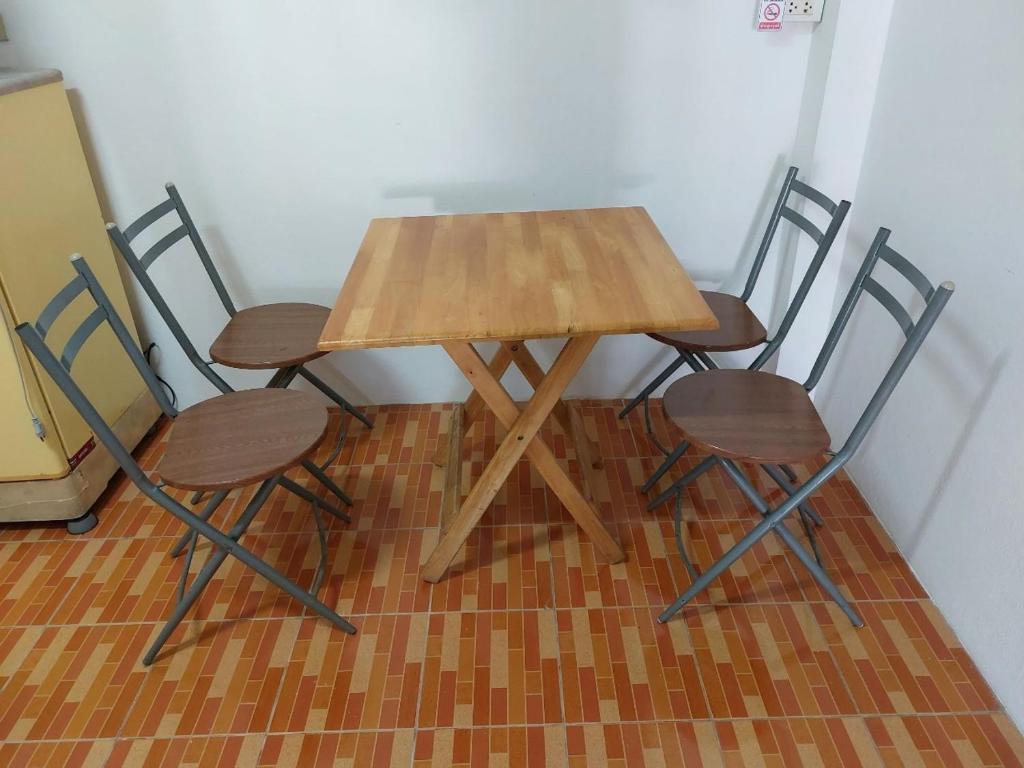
{"points": [[500, 276]]}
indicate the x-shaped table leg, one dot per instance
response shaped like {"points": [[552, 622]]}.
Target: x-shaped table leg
{"points": [[521, 438], [509, 352]]}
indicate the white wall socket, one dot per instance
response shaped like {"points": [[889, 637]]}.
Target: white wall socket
{"points": [[804, 10]]}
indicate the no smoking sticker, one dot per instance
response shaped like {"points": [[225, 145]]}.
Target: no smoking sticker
{"points": [[770, 14]]}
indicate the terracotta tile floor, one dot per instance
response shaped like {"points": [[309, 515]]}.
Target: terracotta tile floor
{"points": [[531, 652]]}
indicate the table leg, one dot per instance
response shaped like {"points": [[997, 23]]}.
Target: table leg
{"points": [[472, 407], [534, 375], [453, 469], [521, 438]]}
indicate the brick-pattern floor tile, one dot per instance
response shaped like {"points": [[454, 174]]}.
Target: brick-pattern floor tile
{"points": [[843, 743], [499, 568], [340, 749], [370, 680], [948, 740], [55, 754], [221, 677], [514, 747], [491, 668], [377, 571], [531, 651], [672, 744], [69, 682], [766, 661], [242, 751], [650, 574], [620, 665], [905, 660]]}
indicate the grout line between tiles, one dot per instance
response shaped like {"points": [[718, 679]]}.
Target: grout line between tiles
{"points": [[506, 726]]}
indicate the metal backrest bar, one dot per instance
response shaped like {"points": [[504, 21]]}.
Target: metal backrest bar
{"points": [[908, 270], [138, 226], [200, 246], [37, 346], [891, 303], [58, 304], [899, 366], [123, 335], [824, 246], [162, 245], [769, 234], [914, 332], [82, 333], [804, 224], [812, 194], [123, 247]]}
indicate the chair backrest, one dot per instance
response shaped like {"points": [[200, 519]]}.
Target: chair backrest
{"points": [[823, 241], [914, 331], [139, 265], [33, 335]]}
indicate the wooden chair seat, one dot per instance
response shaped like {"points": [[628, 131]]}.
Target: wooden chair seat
{"points": [[271, 336], [747, 415], [239, 438], [738, 328]]}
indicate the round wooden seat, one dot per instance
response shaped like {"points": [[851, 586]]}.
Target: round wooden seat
{"points": [[738, 328], [271, 336], [239, 438], [747, 415]]}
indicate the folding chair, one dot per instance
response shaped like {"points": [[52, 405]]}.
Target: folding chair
{"points": [[228, 442], [761, 418], [739, 328], [279, 337]]}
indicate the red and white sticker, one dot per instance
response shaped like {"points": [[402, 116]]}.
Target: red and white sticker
{"points": [[769, 15]]}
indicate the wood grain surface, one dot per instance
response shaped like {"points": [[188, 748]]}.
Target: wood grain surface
{"points": [[738, 328], [239, 438], [271, 336], [513, 276], [747, 415]]}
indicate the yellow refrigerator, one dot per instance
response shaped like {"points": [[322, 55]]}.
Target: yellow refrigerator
{"points": [[51, 467]]}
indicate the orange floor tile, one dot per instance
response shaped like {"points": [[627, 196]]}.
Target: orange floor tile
{"points": [[531, 652]]}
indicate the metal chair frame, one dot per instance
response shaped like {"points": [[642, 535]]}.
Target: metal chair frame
{"points": [[225, 544], [774, 518], [139, 266], [823, 240]]}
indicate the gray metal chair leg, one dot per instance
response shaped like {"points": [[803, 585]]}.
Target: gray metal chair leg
{"points": [[320, 384], [658, 380], [680, 544], [720, 566], [789, 489], [666, 465], [302, 493], [214, 562], [790, 541], [227, 544], [682, 482], [208, 510], [326, 481]]}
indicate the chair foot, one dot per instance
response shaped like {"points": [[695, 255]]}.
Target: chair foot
{"points": [[83, 524]]}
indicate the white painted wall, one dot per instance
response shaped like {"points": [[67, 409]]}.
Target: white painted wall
{"points": [[288, 126], [944, 169]]}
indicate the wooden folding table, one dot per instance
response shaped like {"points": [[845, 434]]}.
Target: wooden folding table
{"points": [[510, 277]]}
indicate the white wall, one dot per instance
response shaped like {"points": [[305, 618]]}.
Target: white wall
{"points": [[288, 126], [944, 170]]}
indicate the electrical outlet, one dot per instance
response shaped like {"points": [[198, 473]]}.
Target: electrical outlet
{"points": [[804, 10]]}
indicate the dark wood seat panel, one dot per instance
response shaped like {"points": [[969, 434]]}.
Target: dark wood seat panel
{"points": [[271, 336], [239, 438], [747, 415], [738, 328]]}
